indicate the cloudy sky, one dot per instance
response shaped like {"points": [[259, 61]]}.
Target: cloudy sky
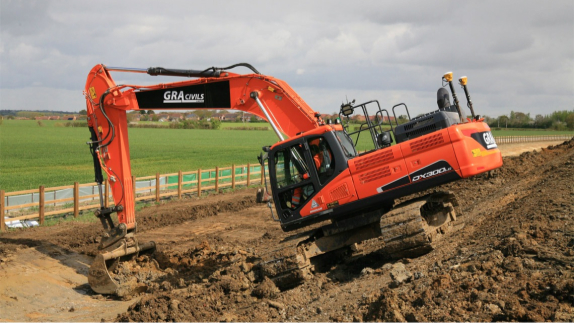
{"points": [[517, 55]]}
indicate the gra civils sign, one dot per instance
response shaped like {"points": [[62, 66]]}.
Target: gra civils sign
{"points": [[213, 95]]}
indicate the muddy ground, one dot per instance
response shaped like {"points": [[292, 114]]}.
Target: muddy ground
{"points": [[512, 261]]}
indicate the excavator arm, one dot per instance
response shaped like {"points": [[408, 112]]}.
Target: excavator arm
{"points": [[214, 88], [264, 96]]}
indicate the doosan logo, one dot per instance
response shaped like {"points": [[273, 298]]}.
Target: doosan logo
{"points": [[181, 97]]}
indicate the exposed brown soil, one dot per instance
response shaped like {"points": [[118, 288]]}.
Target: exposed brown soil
{"points": [[512, 261]]}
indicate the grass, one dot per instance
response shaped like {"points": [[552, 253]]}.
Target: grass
{"points": [[32, 155]]}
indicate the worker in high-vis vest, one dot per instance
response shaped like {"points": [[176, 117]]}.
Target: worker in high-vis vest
{"points": [[319, 159]]}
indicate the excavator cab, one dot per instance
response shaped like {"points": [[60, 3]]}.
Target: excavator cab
{"points": [[301, 168]]}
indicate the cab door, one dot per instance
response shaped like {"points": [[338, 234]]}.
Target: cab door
{"points": [[292, 178]]}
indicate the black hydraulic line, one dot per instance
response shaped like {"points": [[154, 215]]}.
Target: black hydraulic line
{"points": [[97, 166], [154, 71], [208, 72], [110, 124], [249, 66]]}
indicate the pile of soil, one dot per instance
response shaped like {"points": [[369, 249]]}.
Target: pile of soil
{"points": [[512, 261]]}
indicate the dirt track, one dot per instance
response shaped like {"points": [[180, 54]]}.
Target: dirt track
{"points": [[513, 260]]}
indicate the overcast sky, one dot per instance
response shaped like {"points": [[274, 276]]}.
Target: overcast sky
{"points": [[517, 55]]}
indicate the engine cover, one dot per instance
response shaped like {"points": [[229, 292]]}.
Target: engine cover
{"points": [[425, 124]]}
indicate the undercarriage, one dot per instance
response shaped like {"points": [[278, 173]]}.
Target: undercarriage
{"points": [[408, 230]]}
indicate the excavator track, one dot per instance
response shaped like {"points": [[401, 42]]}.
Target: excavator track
{"points": [[412, 228], [287, 265], [409, 230]]}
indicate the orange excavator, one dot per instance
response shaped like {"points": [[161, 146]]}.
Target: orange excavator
{"points": [[316, 173]]}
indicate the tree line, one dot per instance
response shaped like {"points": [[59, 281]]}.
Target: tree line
{"points": [[557, 120]]}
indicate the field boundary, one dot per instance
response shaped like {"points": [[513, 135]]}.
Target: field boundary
{"points": [[174, 185]]}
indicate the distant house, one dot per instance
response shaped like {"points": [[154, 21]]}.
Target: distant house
{"points": [[359, 118], [176, 116], [191, 116], [230, 116], [70, 118]]}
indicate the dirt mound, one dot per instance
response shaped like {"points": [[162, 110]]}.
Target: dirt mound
{"points": [[85, 237], [512, 261]]}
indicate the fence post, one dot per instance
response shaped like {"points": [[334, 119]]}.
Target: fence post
{"points": [[76, 199], [41, 205], [2, 207], [179, 179], [233, 176], [199, 182], [216, 179], [248, 174], [106, 193], [157, 187]]}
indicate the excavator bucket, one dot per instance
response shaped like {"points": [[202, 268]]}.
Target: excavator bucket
{"points": [[101, 277]]}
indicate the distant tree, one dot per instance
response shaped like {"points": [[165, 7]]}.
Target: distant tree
{"points": [[570, 121], [503, 121], [142, 112], [215, 123], [253, 119], [150, 112], [203, 114], [83, 112], [402, 119]]}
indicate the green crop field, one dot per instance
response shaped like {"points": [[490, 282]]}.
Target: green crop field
{"points": [[53, 155], [31, 155]]}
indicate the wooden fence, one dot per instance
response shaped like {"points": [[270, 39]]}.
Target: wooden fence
{"points": [[199, 183]]}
